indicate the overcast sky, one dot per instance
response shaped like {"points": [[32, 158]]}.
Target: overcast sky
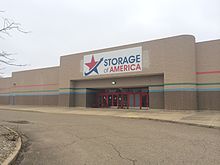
{"points": [[60, 27]]}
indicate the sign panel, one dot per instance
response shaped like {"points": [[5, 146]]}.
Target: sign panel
{"points": [[112, 62]]}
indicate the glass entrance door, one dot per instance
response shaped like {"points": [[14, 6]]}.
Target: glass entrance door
{"points": [[131, 100], [144, 101], [115, 100], [122, 100], [104, 101], [120, 103], [110, 100], [125, 101], [137, 101]]}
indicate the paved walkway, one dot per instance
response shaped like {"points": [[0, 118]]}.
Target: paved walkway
{"points": [[200, 118]]}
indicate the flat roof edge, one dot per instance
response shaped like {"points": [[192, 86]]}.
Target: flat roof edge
{"points": [[44, 68], [131, 44]]}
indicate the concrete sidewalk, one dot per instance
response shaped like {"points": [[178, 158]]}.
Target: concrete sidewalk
{"points": [[200, 118]]}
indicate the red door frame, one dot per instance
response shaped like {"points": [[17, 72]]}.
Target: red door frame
{"points": [[112, 94]]}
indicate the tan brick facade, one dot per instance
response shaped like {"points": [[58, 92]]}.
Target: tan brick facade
{"points": [[177, 72]]}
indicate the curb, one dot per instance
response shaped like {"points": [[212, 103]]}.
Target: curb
{"points": [[21, 110], [177, 122], [13, 156]]}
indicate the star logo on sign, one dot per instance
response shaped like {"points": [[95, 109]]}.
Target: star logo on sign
{"points": [[93, 65]]}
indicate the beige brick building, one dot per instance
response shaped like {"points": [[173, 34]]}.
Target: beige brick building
{"points": [[170, 73]]}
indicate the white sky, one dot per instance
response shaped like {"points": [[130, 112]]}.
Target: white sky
{"points": [[60, 27]]}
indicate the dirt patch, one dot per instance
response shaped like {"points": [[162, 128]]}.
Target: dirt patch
{"points": [[8, 140], [10, 136]]}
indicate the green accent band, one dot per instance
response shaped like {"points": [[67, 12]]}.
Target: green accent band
{"points": [[35, 91]]}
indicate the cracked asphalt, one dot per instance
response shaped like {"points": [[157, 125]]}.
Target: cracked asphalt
{"points": [[101, 140]]}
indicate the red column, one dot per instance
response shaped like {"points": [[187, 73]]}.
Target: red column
{"points": [[106, 101], [112, 99]]}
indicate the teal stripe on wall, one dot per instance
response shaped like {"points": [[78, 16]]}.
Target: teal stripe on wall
{"points": [[84, 92]]}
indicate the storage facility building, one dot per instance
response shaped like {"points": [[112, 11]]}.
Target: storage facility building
{"points": [[172, 73]]}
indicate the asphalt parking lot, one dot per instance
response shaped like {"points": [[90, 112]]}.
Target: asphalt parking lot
{"points": [[93, 140]]}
